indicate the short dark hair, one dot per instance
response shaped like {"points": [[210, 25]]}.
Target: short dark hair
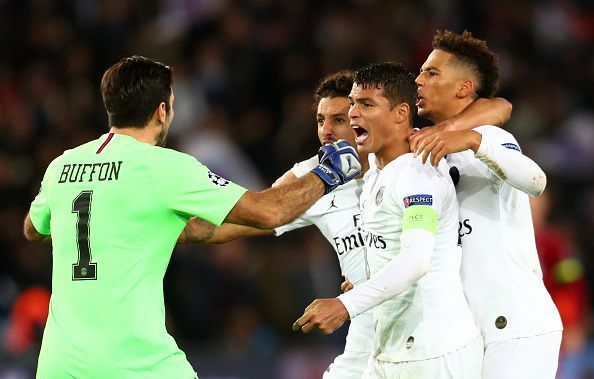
{"points": [[475, 55], [338, 84], [396, 81], [133, 88]]}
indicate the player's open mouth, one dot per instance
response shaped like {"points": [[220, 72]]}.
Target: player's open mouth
{"points": [[361, 134], [419, 99]]}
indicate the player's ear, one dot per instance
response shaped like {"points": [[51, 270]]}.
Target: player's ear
{"points": [[402, 112], [465, 89], [161, 112]]}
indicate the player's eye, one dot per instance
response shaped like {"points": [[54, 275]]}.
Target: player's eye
{"points": [[339, 120], [320, 121]]}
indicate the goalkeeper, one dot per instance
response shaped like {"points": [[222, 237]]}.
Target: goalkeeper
{"points": [[113, 209]]}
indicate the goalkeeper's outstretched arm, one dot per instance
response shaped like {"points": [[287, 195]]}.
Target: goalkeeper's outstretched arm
{"points": [[339, 163], [200, 231]]}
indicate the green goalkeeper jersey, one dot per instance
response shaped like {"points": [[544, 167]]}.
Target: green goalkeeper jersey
{"points": [[114, 208]]}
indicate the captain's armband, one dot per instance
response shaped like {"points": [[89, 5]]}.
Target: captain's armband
{"points": [[420, 217]]}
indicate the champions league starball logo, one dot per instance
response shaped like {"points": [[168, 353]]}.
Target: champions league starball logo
{"points": [[217, 180]]}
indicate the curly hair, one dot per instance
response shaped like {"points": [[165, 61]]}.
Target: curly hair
{"points": [[473, 54], [397, 82], [338, 84]]}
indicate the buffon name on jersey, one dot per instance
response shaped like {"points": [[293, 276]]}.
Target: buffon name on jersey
{"points": [[88, 172]]}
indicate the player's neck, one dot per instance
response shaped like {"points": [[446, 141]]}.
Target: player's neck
{"points": [[364, 164], [450, 111], [146, 134], [398, 146]]}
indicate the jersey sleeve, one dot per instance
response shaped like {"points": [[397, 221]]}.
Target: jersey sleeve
{"points": [[419, 193], [298, 223], [189, 188], [40, 211], [501, 153], [299, 169]]}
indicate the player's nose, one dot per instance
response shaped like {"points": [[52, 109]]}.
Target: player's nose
{"points": [[354, 111]]}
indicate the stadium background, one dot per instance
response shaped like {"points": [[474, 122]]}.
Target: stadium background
{"points": [[244, 73]]}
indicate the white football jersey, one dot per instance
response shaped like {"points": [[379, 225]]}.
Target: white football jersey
{"points": [[500, 270], [431, 318], [338, 217]]}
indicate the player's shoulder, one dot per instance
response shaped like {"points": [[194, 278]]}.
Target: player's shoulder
{"points": [[495, 131], [74, 153], [80, 149], [411, 174], [397, 165], [499, 136], [169, 156], [408, 165]]}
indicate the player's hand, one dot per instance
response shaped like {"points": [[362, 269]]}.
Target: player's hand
{"points": [[436, 142], [426, 133], [346, 286], [339, 163], [324, 315]]}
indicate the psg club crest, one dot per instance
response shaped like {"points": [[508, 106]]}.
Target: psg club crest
{"points": [[217, 180]]}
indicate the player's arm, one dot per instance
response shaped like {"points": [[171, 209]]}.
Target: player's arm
{"points": [[500, 152], [495, 111], [327, 315], [36, 227], [452, 135], [411, 264], [274, 207], [404, 270], [31, 234], [201, 231]]}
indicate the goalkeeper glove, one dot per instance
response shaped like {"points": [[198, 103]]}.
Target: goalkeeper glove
{"points": [[339, 163]]}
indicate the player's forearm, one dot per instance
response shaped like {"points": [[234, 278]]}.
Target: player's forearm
{"points": [[277, 206], [512, 166], [229, 232], [496, 111], [31, 234], [397, 276], [199, 231]]}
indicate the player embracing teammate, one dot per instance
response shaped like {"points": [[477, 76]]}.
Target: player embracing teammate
{"points": [[500, 271]]}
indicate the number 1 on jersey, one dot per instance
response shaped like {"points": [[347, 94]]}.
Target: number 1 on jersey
{"points": [[84, 269]]}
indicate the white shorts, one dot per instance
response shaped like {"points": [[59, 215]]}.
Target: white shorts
{"points": [[464, 363], [533, 357]]}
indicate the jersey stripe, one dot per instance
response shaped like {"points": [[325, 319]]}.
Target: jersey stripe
{"points": [[109, 137]]}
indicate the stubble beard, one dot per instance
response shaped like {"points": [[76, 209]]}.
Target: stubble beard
{"points": [[162, 137]]}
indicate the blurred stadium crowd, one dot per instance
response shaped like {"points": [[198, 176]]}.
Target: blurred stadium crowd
{"points": [[244, 73]]}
